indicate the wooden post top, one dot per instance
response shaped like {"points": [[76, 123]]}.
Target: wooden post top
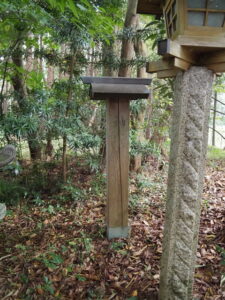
{"points": [[102, 88]]}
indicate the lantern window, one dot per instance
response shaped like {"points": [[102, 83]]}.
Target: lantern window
{"points": [[197, 3], [171, 17], [218, 4], [206, 13]]}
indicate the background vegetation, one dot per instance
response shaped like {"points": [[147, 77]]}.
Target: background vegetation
{"points": [[59, 133]]}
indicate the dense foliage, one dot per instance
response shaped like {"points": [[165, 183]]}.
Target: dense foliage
{"points": [[45, 47], [53, 236]]}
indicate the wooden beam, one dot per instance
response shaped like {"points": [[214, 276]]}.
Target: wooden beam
{"points": [[115, 80], [213, 57], [103, 91], [160, 65], [181, 64], [217, 68], [167, 73], [212, 40], [149, 7], [168, 48]]}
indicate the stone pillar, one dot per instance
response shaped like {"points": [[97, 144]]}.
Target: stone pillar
{"points": [[193, 90]]}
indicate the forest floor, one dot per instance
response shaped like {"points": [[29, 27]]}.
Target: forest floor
{"points": [[56, 248]]}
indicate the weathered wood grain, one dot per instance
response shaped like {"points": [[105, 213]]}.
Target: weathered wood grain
{"points": [[117, 139]]}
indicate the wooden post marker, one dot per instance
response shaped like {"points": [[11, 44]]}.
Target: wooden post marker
{"points": [[117, 92]]}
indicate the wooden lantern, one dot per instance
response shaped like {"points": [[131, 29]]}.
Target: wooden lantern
{"points": [[196, 22], [195, 30]]}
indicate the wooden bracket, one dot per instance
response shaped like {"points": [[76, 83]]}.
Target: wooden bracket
{"points": [[168, 67], [154, 8], [214, 61], [183, 58], [181, 64], [214, 57], [168, 48], [177, 57], [160, 65], [167, 73], [216, 68]]}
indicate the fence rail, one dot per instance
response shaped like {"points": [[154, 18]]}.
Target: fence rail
{"points": [[215, 111]]}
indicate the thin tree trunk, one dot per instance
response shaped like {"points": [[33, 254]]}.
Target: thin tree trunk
{"points": [[62, 52], [20, 88], [50, 76], [107, 55], [127, 52], [140, 51], [69, 98], [41, 65], [107, 52], [29, 57], [91, 69], [49, 146], [214, 121]]}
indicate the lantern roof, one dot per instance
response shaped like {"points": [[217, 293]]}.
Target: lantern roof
{"points": [[153, 7]]}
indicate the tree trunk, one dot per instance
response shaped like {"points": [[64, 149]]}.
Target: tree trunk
{"points": [[214, 121], [50, 76], [140, 51], [127, 52], [34, 147], [49, 147], [41, 65], [29, 58], [62, 52], [69, 98], [107, 51], [20, 88], [107, 55]]}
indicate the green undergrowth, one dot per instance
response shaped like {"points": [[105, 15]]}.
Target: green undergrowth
{"points": [[215, 153]]}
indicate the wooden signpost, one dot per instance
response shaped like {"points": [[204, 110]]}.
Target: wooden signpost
{"points": [[117, 92]]}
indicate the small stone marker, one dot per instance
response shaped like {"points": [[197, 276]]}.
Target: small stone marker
{"points": [[7, 155], [193, 90], [2, 210], [117, 92]]}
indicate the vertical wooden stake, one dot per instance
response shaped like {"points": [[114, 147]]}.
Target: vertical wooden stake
{"points": [[117, 156], [118, 92]]}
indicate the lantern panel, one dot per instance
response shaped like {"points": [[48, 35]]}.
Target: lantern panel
{"points": [[209, 13], [196, 3], [216, 4], [196, 18], [215, 19]]}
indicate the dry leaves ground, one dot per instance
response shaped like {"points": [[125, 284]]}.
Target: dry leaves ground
{"points": [[58, 249]]}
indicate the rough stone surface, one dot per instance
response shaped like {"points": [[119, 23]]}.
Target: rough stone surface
{"points": [[7, 155], [2, 210], [118, 232], [193, 90]]}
